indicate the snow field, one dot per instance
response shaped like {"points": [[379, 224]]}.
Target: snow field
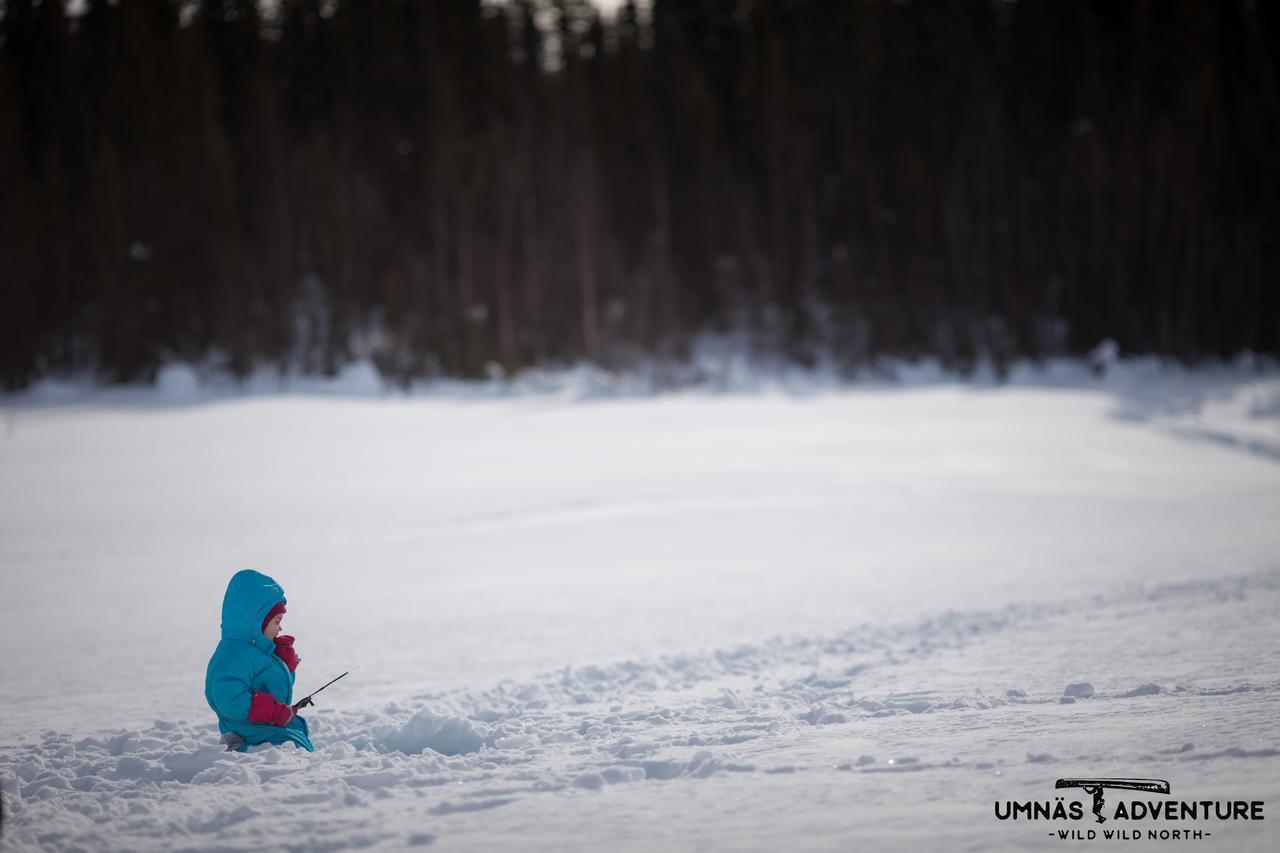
{"points": [[748, 622]]}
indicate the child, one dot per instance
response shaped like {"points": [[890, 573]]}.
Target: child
{"points": [[249, 683]]}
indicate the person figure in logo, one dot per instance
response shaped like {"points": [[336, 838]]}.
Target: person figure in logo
{"points": [[1098, 801], [249, 682]]}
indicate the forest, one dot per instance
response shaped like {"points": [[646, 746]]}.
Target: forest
{"points": [[463, 188]]}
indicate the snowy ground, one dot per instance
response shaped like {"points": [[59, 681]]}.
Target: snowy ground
{"points": [[759, 621]]}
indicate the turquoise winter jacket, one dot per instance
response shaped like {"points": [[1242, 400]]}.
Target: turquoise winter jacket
{"points": [[245, 662]]}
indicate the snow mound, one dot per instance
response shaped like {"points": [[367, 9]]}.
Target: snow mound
{"points": [[177, 382], [429, 730]]}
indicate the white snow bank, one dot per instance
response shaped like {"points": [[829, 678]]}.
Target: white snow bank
{"points": [[715, 366]]}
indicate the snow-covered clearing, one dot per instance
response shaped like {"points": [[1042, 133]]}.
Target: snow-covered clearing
{"points": [[747, 621]]}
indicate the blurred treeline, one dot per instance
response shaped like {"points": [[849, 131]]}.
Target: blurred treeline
{"points": [[446, 185]]}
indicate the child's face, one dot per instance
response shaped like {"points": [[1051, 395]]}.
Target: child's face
{"points": [[273, 627]]}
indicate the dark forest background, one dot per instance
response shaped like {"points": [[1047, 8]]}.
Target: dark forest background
{"points": [[447, 185]]}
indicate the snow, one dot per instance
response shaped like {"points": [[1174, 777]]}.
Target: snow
{"points": [[784, 614]]}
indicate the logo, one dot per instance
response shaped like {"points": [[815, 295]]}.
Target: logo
{"points": [[1131, 817]]}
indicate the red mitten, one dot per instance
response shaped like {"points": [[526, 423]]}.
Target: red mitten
{"points": [[265, 709], [286, 652]]}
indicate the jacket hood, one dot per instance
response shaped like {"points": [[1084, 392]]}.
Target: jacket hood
{"points": [[250, 595]]}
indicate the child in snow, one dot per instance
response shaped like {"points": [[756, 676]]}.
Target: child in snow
{"points": [[249, 683]]}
